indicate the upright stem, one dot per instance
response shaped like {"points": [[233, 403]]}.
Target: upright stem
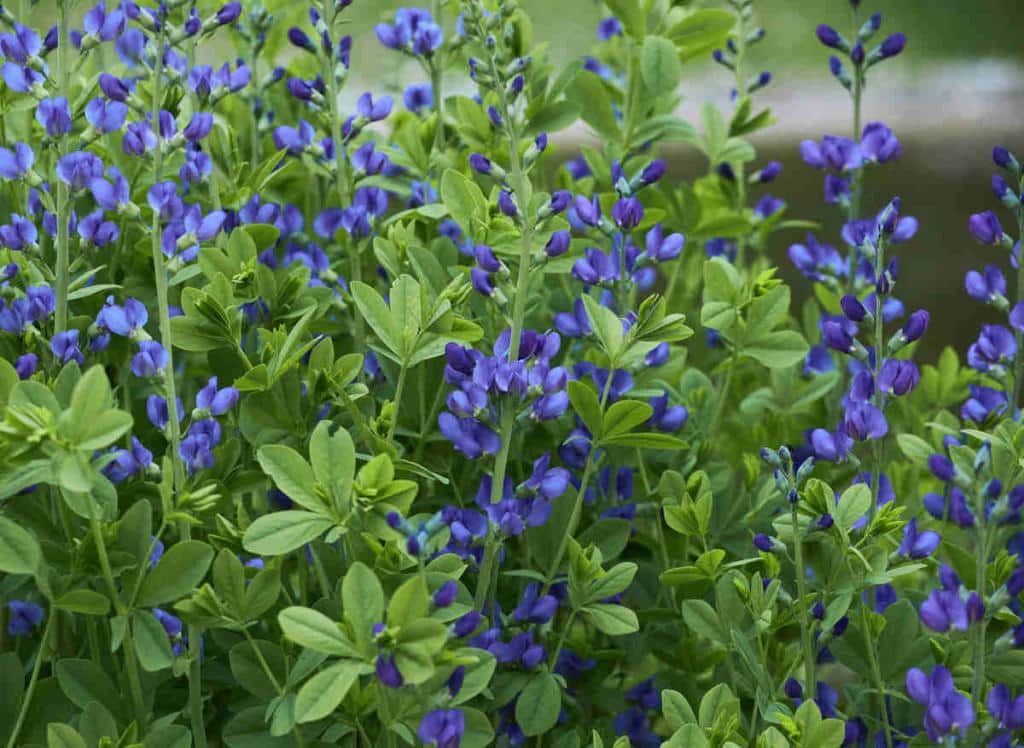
{"points": [[810, 683], [1018, 367], [876, 673], [878, 396], [134, 682], [399, 390], [33, 680], [436, 73], [523, 192], [342, 175], [723, 396], [63, 194], [978, 637], [195, 696], [574, 518]]}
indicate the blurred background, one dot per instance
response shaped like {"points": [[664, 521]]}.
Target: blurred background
{"points": [[956, 91]]}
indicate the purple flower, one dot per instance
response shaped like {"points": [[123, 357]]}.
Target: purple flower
{"points": [[985, 227], [446, 593], [172, 624], [897, 377], [983, 402], [918, 545], [78, 169], [506, 204], [665, 417], [64, 345], [150, 360], [831, 38], [229, 13], [54, 115], [131, 47], [443, 728], [944, 609], [988, 286], [533, 608], [893, 45], [878, 143], [661, 248], [995, 345], [216, 401], [196, 449], [372, 110], [388, 673], [418, 96], [1006, 710], [469, 436], [627, 213], [17, 163], [864, 421], [24, 617], [26, 365], [106, 116], [835, 153], [608, 27], [129, 462], [946, 709]]}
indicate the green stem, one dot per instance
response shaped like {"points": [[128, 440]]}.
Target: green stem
{"points": [[978, 638], [272, 678], [1018, 367], [553, 660], [493, 543], [574, 519], [321, 574], [723, 396], [63, 194], [436, 73], [399, 389], [33, 680], [131, 662], [342, 173], [810, 684], [876, 673]]}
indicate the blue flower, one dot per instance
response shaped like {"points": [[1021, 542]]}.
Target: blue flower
{"points": [[216, 401], [150, 360], [79, 168], [129, 462], [413, 31], [64, 345], [918, 545], [418, 96], [54, 115], [443, 728], [196, 448], [946, 709], [24, 617]]}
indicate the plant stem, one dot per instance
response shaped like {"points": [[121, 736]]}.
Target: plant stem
{"points": [[342, 175], [553, 660], [272, 678], [574, 519], [1018, 367], [810, 684], [399, 389], [876, 673], [978, 637], [723, 396], [436, 73], [134, 682], [63, 193], [33, 679]]}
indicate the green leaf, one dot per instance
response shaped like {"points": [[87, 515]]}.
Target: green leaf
{"points": [[362, 599], [586, 405], [377, 315], [278, 533], [852, 505], [591, 96], [83, 681], [63, 736], [84, 601], [702, 620], [324, 691], [292, 474], [313, 630], [539, 704], [178, 573], [777, 350], [334, 461], [677, 709], [612, 582], [606, 325], [659, 65], [624, 416], [614, 620], [700, 32], [915, 448], [464, 200], [151, 643], [645, 440], [411, 601], [717, 702], [19, 551], [632, 15], [688, 736]]}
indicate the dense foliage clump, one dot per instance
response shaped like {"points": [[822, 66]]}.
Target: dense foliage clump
{"points": [[329, 419]]}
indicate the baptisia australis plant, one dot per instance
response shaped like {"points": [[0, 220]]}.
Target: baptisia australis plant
{"points": [[340, 417]]}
